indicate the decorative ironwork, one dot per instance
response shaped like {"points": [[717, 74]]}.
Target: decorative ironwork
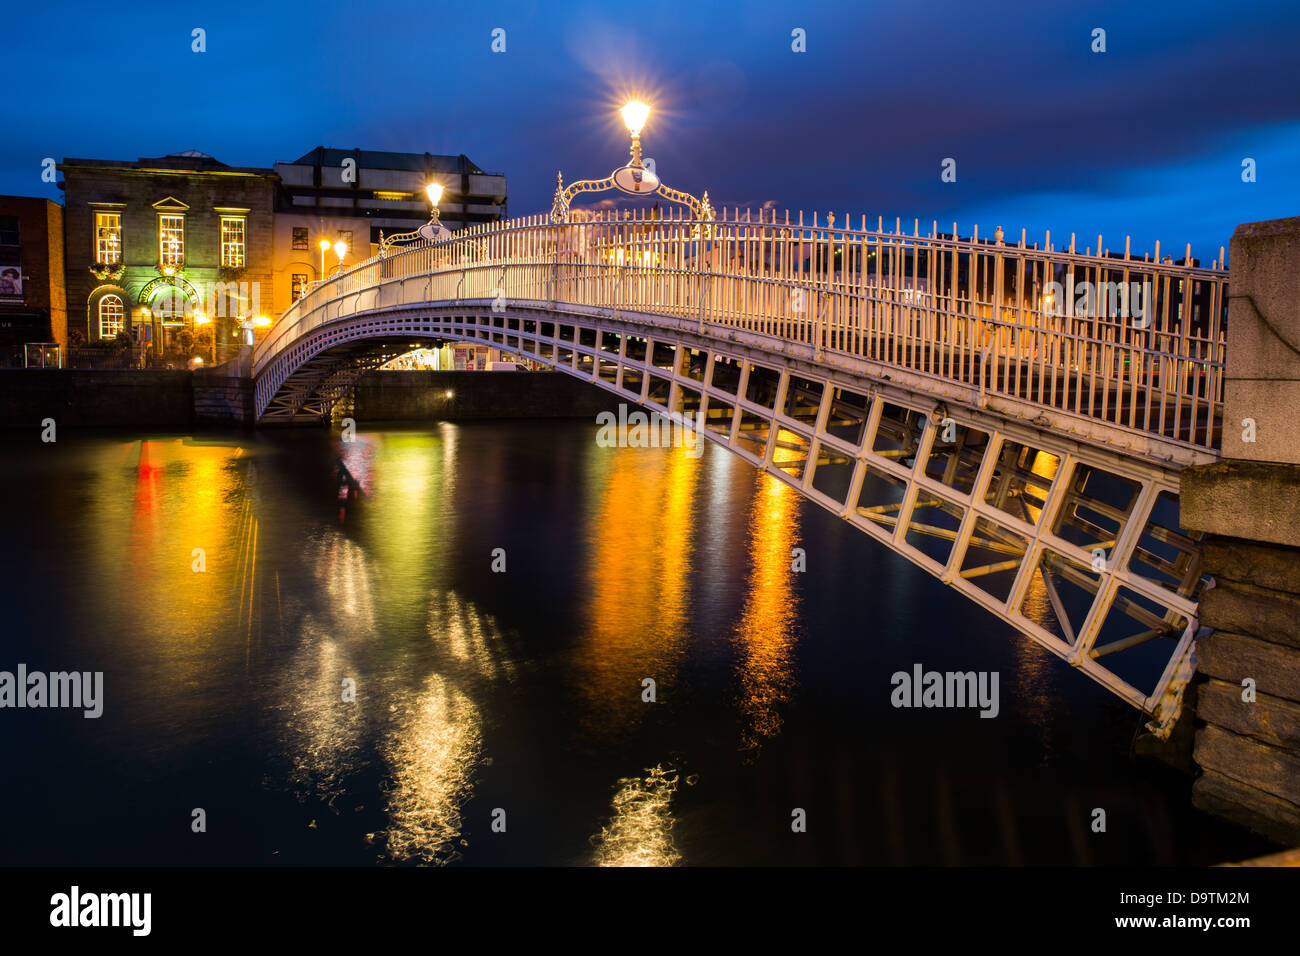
{"points": [[629, 179], [428, 232]]}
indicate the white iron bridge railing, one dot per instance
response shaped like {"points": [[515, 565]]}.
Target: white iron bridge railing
{"points": [[1137, 343]]}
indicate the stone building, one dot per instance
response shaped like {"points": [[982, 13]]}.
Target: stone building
{"points": [[182, 242], [158, 246]]}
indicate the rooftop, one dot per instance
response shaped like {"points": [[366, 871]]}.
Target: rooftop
{"points": [[380, 159], [189, 161]]}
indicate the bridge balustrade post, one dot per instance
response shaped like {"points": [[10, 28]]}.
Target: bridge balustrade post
{"points": [[1248, 504]]}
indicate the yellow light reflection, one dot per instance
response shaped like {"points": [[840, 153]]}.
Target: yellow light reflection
{"points": [[639, 590], [433, 752], [639, 832], [765, 635], [189, 543], [472, 637], [1044, 466], [322, 731]]}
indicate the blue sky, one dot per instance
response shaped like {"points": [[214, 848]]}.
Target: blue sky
{"points": [[1146, 139]]}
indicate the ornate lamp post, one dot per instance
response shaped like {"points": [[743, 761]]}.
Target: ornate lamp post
{"points": [[430, 231], [635, 178]]}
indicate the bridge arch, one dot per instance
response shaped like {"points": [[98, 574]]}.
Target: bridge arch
{"points": [[953, 432]]}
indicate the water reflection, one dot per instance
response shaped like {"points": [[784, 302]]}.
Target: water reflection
{"points": [[174, 555], [640, 829], [765, 636], [377, 612], [231, 675], [639, 588], [433, 750], [323, 732], [473, 638]]}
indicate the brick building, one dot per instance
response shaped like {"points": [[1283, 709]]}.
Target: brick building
{"points": [[32, 302]]}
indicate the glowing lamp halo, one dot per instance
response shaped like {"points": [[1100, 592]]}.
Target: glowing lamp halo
{"points": [[635, 113]]}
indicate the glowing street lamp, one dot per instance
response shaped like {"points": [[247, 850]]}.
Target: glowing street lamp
{"points": [[635, 177], [340, 250], [431, 228], [635, 114], [324, 247], [429, 232]]}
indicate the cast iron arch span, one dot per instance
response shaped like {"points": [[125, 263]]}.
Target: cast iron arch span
{"points": [[1077, 546]]}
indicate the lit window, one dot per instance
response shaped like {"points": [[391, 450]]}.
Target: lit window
{"points": [[346, 236], [392, 195], [171, 240], [299, 286], [108, 237], [232, 242], [300, 237], [110, 316]]}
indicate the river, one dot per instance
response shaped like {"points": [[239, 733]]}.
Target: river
{"points": [[234, 590]]}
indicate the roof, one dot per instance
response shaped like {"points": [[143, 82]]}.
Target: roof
{"points": [[380, 159], [191, 161]]}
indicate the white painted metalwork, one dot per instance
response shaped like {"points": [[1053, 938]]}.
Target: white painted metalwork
{"points": [[919, 387]]}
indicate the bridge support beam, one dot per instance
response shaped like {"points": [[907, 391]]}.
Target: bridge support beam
{"points": [[1249, 507]]}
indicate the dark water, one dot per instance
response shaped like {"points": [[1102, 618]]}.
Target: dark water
{"points": [[479, 692]]}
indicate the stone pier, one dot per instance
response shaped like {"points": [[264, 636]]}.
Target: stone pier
{"points": [[1249, 507]]}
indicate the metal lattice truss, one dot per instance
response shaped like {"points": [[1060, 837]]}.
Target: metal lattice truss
{"points": [[310, 392], [1075, 545]]}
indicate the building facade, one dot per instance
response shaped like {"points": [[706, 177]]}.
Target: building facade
{"points": [[299, 257], [33, 305], [183, 248], [383, 192], [167, 250]]}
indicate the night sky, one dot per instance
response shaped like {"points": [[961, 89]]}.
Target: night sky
{"points": [[1147, 138]]}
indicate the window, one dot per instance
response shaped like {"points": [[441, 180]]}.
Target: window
{"points": [[108, 237], [110, 316], [11, 257], [171, 240], [299, 286], [346, 236], [300, 237], [232, 242]]}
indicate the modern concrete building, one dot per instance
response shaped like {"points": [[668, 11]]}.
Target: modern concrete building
{"points": [[384, 192], [167, 244], [32, 301]]}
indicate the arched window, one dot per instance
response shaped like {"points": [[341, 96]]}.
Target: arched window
{"points": [[110, 316]]}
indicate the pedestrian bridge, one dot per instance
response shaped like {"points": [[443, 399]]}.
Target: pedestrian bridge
{"points": [[1012, 419]]}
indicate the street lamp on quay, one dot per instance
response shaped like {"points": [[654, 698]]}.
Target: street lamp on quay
{"points": [[324, 247]]}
